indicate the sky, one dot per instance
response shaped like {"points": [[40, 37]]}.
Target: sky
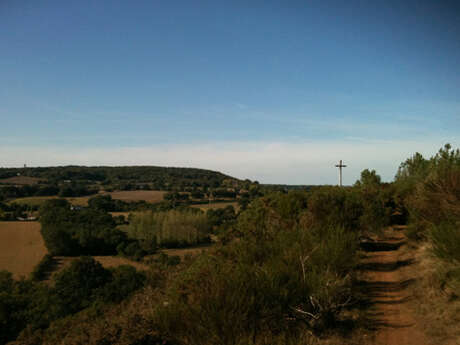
{"points": [[273, 91]]}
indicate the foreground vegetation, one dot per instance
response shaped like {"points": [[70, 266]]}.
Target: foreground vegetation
{"points": [[283, 270], [430, 190]]}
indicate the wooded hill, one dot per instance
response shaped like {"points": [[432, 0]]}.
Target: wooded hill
{"points": [[75, 181], [157, 177]]}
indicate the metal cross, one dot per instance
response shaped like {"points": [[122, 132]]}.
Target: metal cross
{"points": [[340, 166]]}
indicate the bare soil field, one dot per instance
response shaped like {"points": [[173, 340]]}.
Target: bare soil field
{"points": [[21, 247], [216, 205], [20, 180], [152, 196]]}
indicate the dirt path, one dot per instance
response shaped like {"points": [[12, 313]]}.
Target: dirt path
{"points": [[387, 273]]}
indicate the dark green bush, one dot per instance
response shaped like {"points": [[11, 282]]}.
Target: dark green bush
{"points": [[446, 241], [43, 267], [72, 232], [124, 281], [77, 285], [335, 206], [169, 260], [430, 189]]}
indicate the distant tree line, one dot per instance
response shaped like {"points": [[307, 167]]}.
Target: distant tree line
{"points": [[70, 190]]}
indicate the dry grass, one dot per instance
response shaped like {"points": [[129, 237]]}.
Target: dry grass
{"points": [[182, 252], [40, 200], [216, 205], [21, 247], [437, 309], [152, 196], [124, 214], [32, 201], [21, 180], [115, 261], [80, 201]]}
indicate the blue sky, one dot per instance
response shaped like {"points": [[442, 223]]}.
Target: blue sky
{"points": [[276, 91]]}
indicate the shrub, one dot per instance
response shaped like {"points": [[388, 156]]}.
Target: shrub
{"points": [[102, 203], [446, 241], [433, 195], [43, 267], [264, 284], [124, 281], [76, 285], [335, 206], [168, 260]]}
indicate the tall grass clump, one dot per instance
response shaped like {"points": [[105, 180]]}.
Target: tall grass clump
{"points": [[170, 228]]}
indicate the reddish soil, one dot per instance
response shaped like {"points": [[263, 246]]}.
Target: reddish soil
{"points": [[387, 273]]}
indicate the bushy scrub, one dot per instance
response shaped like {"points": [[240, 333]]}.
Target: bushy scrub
{"points": [[432, 197], [446, 241], [277, 277], [432, 187], [277, 280], [221, 216], [170, 228], [335, 206], [85, 283]]}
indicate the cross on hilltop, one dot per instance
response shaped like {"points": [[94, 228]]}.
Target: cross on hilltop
{"points": [[340, 166]]}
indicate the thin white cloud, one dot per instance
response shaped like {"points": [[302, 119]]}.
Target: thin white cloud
{"points": [[267, 162]]}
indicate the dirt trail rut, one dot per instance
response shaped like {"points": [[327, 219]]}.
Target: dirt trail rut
{"points": [[386, 275]]}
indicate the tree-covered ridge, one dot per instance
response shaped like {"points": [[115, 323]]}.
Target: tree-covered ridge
{"points": [[160, 176]]}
